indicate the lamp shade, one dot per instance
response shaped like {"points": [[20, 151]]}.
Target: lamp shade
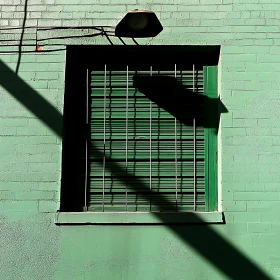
{"points": [[139, 24]]}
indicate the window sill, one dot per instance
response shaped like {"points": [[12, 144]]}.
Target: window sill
{"points": [[67, 218]]}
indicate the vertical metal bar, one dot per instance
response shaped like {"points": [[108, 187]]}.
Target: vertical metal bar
{"points": [[151, 108], [194, 148], [175, 149], [86, 142], [104, 138], [126, 137]]}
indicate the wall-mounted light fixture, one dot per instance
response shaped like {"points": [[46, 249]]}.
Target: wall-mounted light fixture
{"points": [[139, 24]]}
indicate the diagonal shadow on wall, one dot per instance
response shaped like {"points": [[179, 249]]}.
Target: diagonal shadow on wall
{"points": [[228, 259]]}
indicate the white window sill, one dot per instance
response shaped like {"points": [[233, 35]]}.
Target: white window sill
{"points": [[68, 218]]}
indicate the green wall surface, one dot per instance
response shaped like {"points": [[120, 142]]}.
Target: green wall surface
{"points": [[32, 90]]}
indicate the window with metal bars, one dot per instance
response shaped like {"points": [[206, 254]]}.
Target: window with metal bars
{"points": [[140, 135], [152, 147]]}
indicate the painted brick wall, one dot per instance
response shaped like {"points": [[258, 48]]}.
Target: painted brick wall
{"points": [[32, 247]]}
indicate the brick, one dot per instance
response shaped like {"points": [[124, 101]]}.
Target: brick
{"points": [[211, 22], [72, 8], [11, 2], [49, 57], [41, 67], [4, 22], [13, 122], [51, 22], [232, 131], [241, 14], [57, 195], [256, 196], [54, 8], [275, 228], [17, 166], [34, 195], [259, 227], [257, 187], [7, 195], [31, 131], [18, 186], [18, 206], [276, 141], [258, 206], [35, 122], [269, 217], [8, 8], [237, 229], [49, 186], [35, 15], [227, 120], [234, 206], [239, 159], [235, 22], [244, 29], [246, 176], [247, 217], [244, 240], [251, 139], [269, 176], [46, 157], [48, 206], [6, 131], [29, 176], [35, 8], [170, 8], [229, 217], [50, 166], [244, 122], [52, 15], [256, 22], [233, 49], [267, 42], [269, 159], [271, 187], [257, 49], [40, 140], [247, 42], [267, 29], [227, 196], [227, 8], [271, 21], [37, 149], [39, 84], [263, 240], [55, 84], [11, 140]]}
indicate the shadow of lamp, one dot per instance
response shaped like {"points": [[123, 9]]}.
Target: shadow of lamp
{"points": [[139, 24]]}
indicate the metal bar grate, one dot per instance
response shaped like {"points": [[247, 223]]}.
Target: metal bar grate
{"points": [[153, 146], [151, 116], [175, 149], [126, 136], [86, 144], [194, 149], [104, 138]]}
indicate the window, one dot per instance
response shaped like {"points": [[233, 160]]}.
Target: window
{"points": [[140, 136]]}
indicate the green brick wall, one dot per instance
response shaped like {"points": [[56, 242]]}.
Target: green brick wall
{"points": [[247, 246]]}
